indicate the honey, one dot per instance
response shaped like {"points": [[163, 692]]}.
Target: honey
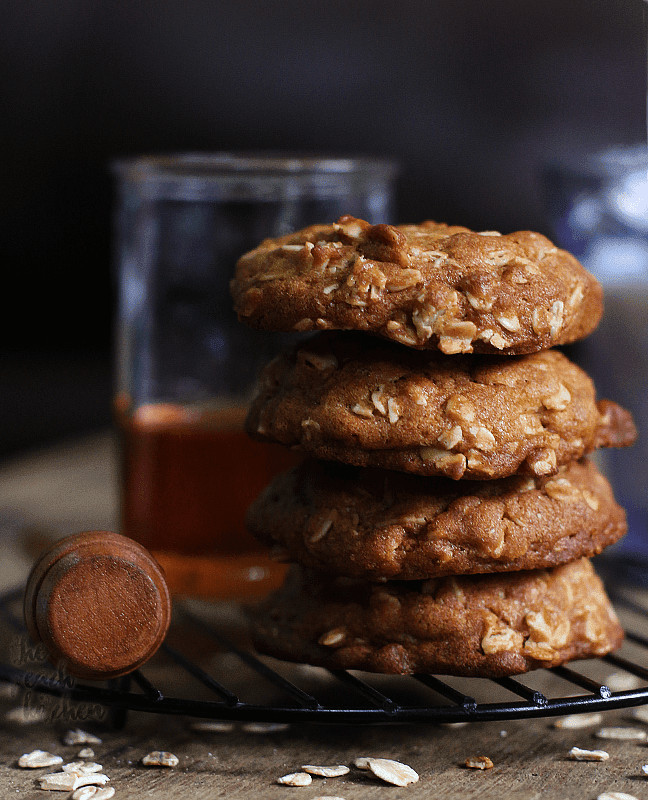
{"points": [[188, 476]]}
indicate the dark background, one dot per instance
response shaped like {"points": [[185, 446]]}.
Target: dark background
{"points": [[470, 96]]}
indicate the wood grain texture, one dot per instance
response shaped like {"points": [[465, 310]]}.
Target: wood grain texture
{"points": [[530, 761]]}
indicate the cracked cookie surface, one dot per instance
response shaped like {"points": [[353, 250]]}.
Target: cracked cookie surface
{"points": [[426, 286], [486, 625], [357, 399], [375, 524]]}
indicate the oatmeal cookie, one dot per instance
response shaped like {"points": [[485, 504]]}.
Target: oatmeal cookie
{"points": [[426, 286], [485, 625], [357, 399], [374, 524]]}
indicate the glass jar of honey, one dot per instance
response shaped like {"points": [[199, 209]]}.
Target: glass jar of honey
{"points": [[186, 367]]}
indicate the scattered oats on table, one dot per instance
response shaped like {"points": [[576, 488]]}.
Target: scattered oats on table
{"points": [[93, 793], [622, 682], [160, 758], [90, 778], [26, 716], [326, 772], [86, 752], [58, 782], [39, 758], [82, 767], [616, 796], [212, 726], [295, 779], [623, 734], [327, 797], [265, 727], [69, 781], [640, 713], [77, 736], [392, 771], [85, 792], [573, 721], [578, 754]]}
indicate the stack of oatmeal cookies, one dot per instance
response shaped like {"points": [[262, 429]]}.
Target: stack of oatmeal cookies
{"points": [[445, 515]]}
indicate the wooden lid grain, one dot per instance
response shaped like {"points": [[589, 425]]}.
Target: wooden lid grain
{"points": [[99, 602]]}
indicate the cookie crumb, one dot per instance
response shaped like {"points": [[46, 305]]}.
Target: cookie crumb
{"points": [[85, 793], [160, 758], [479, 762]]}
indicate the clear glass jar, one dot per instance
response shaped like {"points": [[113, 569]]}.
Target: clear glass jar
{"points": [[186, 367], [597, 205]]}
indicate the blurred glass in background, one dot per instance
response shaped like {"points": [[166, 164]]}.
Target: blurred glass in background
{"points": [[598, 208], [186, 367]]}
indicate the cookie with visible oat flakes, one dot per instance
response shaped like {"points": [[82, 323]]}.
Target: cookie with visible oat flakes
{"points": [[375, 524], [431, 286], [484, 625], [360, 400]]}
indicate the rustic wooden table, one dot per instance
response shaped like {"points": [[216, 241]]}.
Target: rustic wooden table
{"points": [[72, 488]]}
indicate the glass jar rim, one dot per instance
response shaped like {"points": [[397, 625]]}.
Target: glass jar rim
{"points": [[223, 166], [604, 162]]}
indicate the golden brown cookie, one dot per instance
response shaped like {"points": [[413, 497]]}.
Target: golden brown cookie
{"points": [[374, 524], [364, 401], [425, 286], [485, 625]]}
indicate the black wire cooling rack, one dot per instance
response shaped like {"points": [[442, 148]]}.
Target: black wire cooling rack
{"points": [[340, 696]]}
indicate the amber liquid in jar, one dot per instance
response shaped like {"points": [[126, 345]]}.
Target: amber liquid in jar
{"points": [[188, 476]]}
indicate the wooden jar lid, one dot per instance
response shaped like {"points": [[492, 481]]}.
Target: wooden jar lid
{"points": [[99, 602]]}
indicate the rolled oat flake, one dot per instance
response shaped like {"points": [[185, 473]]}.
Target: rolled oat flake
{"points": [[392, 771]]}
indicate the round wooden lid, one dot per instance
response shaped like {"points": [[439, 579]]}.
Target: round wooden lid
{"points": [[99, 602]]}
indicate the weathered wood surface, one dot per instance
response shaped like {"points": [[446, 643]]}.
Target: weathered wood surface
{"points": [[530, 760], [73, 488]]}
